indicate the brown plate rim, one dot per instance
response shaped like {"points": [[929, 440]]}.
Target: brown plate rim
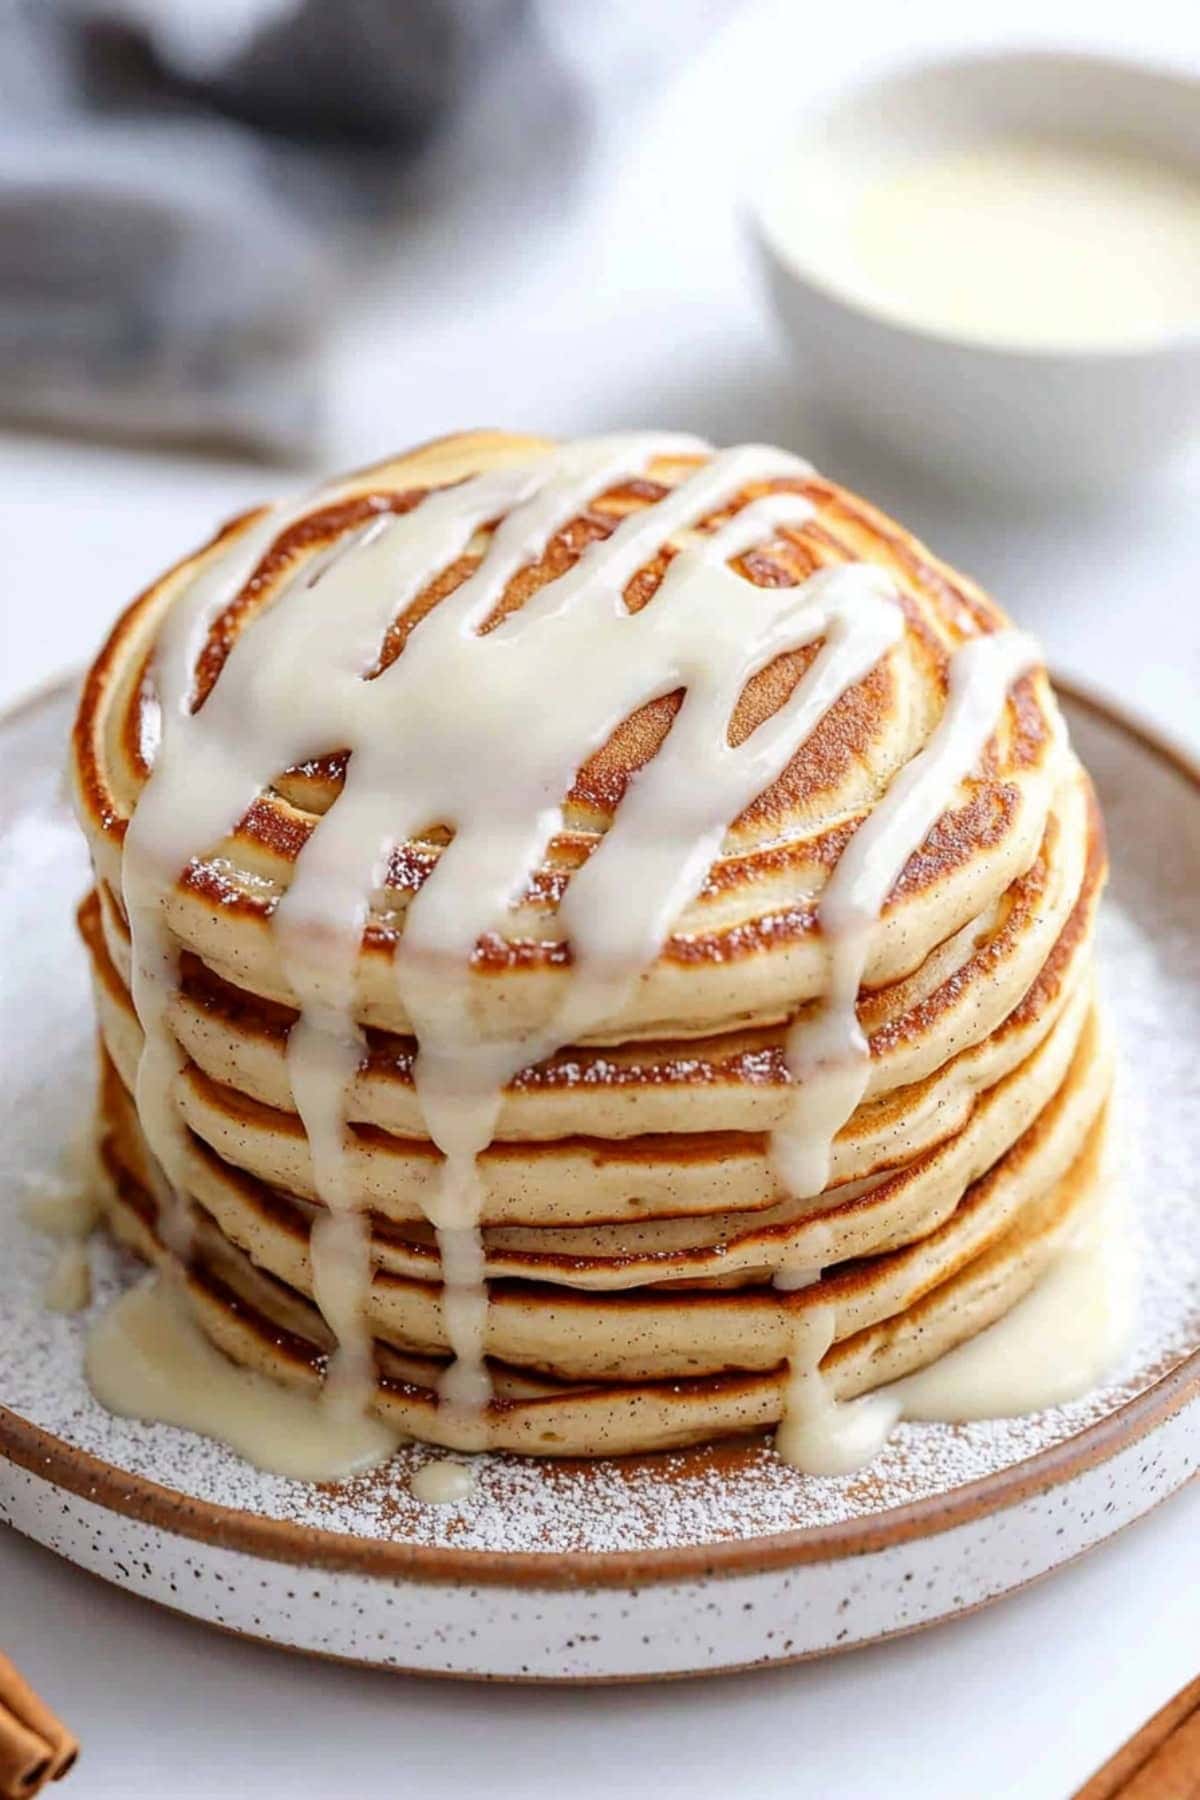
{"points": [[43, 1454]]}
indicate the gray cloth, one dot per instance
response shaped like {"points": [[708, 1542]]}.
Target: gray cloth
{"points": [[182, 188]]}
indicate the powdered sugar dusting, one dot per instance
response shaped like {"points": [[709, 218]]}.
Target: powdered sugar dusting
{"points": [[1150, 960]]}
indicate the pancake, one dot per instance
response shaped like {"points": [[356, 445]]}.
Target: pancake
{"points": [[749, 943], [959, 995], [590, 944], [847, 1221], [661, 1330], [264, 1326], [648, 1175]]}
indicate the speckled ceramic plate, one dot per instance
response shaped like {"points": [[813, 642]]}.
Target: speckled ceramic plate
{"points": [[651, 1566]]}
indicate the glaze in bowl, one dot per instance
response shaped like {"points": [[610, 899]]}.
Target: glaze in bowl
{"points": [[1021, 416]]}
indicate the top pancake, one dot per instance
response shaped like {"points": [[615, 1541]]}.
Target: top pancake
{"points": [[748, 949]]}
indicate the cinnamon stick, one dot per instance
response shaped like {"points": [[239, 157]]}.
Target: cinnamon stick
{"points": [[1160, 1762], [35, 1745], [25, 1758]]}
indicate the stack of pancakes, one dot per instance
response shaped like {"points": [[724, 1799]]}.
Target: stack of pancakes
{"points": [[646, 1273]]}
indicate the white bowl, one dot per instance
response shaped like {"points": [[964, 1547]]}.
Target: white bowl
{"points": [[1022, 415]]}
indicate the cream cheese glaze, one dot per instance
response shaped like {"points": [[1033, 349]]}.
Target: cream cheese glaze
{"points": [[304, 678], [147, 1358], [1023, 240], [1055, 1344]]}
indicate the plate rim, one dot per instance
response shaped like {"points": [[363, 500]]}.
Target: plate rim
{"points": [[49, 1457]]}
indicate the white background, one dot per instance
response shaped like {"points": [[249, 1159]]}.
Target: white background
{"points": [[617, 292]]}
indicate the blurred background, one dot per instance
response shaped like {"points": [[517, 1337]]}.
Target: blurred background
{"points": [[241, 240]]}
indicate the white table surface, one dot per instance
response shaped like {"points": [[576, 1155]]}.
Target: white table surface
{"points": [[618, 293]]}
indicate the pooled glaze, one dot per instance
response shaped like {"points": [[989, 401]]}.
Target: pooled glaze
{"points": [[442, 1482], [148, 1359]]}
